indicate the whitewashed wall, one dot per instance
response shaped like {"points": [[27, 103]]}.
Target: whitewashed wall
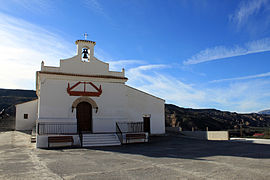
{"points": [[56, 104], [141, 103], [117, 102], [29, 108]]}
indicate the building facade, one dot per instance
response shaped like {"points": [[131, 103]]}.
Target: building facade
{"points": [[83, 96]]}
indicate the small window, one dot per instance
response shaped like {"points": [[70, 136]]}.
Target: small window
{"points": [[25, 116]]}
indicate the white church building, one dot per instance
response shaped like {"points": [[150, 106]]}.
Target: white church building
{"points": [[83, 103]]}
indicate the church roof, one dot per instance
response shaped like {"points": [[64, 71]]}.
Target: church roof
{"points": [[93, 42]]}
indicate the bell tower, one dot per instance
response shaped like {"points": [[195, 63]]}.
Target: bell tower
{"points": [[85, 49]]}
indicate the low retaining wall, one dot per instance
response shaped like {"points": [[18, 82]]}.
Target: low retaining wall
{"points": [[218, 135], [209, 135]]}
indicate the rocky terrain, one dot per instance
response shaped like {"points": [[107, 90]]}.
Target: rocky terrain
{"points": [[212, 118]]}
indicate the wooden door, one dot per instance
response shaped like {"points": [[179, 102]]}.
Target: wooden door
{"points": [[146, 124], [84, 117]]}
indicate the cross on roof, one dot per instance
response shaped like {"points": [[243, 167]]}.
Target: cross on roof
{"points": [[85, 36]]}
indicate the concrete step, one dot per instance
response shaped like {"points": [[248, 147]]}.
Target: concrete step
{"points": [[33, 139], [100, 139], [91, 140], [96, 141], [98, 135], [33, 135], [101, 144]]}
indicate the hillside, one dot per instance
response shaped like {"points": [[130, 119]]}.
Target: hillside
{"points": [[212, 118], [265, 112], [10, 97]]}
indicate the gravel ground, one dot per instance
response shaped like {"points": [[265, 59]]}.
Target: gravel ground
{"points": [[168, 157]]}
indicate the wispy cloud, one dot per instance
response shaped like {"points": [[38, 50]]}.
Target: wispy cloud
{"points": [[119, 64], [116, 65], [247, 9], [24, 45], [33, 6], [97, 7], [22, 48], [100, 9], [148, 67], [148, 78], [221, 52], [242, 78], [249, 96]]}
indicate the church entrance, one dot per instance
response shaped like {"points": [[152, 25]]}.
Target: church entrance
{"points": [[84, 117]]}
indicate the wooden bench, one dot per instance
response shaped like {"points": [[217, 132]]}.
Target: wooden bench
{"points": [[135, 136], [60, 139]]}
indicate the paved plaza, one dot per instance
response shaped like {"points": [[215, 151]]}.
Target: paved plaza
{"points": [[167, 157]]}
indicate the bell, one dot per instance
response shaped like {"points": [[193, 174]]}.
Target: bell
{"points": [[85, 53]]}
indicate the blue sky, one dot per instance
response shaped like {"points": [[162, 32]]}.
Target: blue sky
{"points": [[192, 53]]}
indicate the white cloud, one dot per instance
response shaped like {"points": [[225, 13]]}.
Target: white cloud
{"points": [[243, 77], [22, 48], [221, 52], [247, 9], [249, 96], [148, 79]]}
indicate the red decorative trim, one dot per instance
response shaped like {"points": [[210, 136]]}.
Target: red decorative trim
{"points": [[82, 75], [84, 92]]}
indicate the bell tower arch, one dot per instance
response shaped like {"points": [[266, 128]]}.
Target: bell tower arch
{"points": [[85, 49]]}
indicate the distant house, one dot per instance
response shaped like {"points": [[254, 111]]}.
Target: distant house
{"points": [[83, 103]]}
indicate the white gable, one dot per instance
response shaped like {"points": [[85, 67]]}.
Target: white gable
{"points": [[77, 65]]}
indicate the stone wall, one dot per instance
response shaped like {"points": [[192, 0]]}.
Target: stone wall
{"points": [[7, 124]]}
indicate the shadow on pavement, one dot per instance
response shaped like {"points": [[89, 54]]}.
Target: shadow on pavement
{"points": [[174, 146]]}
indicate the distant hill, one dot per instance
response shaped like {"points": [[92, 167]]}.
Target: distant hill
{"points": [[10, 97], [265, 112], [212, 118]]}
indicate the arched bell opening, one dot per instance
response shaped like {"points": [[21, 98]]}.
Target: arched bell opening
{"points": [[85, 54]]}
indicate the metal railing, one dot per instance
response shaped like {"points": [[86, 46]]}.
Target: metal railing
{"points": [[56, 128], [119, 133], [130, 127], [127, 131]]}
